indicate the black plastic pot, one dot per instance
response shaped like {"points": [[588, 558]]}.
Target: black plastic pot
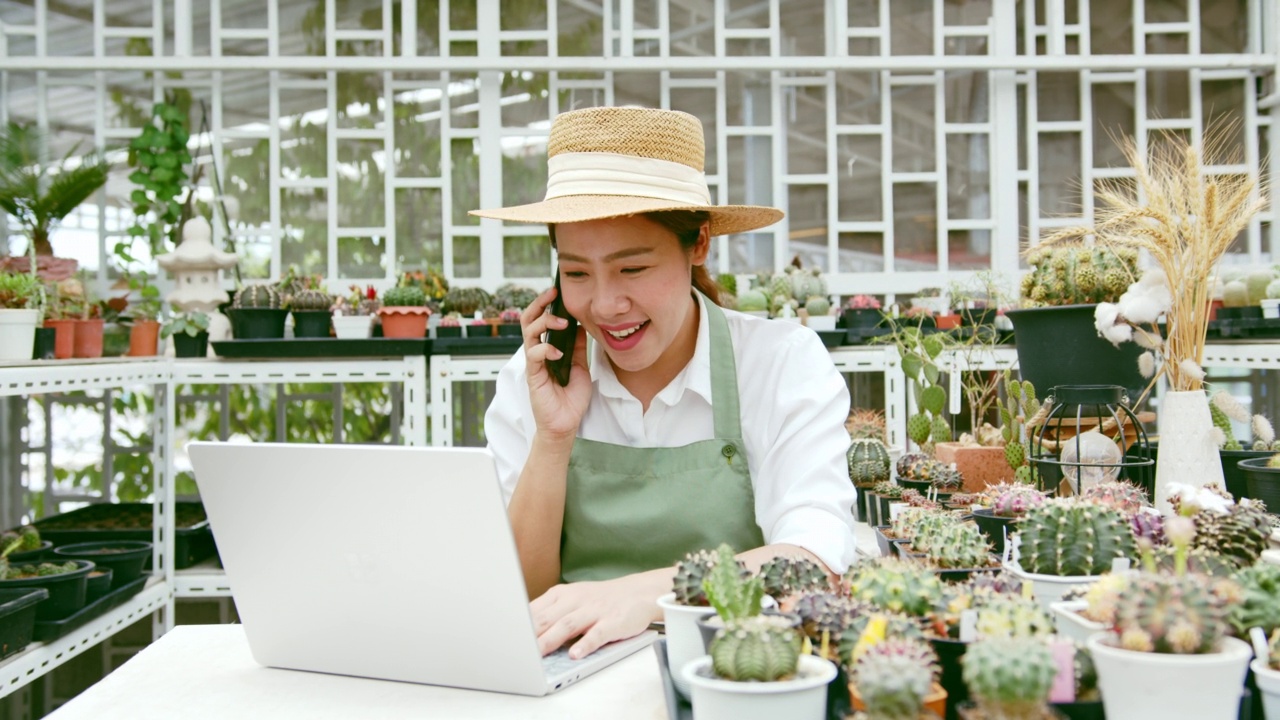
{"points": [[861, 508], [993, 527], [959, 575], [710, 623], [66, 590], [18, 618], [1081, 710], [860, 318], [311, 323], [1248, 312], [1262, 482], [191, 346], [951, 675], [257, 323], [1061, 346], [920, 486], [509, 330], [99, 584], [30, 556], [124, 557], [882, 504], [448, 331], [43, 347], [886, 546]]}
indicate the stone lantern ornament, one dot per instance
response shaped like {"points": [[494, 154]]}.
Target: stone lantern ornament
{"points": [[196, 266]]}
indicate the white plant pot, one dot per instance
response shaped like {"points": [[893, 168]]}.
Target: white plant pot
{"points": [[1271, 308], [352, 327], [1159, 686], [684, 640], [1072, 623], [1188, 454], [822, 322], [1269, 685], [801, 698], [18, 333], [1047, 589]]}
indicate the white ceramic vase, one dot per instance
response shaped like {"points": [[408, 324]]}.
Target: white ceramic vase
{"points": [[801, 698], [352, 327], [1188, 454], [1269, 686], [18, 333], [1160, 686], [684, 640], [822, 322]]}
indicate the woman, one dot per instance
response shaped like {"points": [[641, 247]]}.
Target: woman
{"points": [[683, 425]]}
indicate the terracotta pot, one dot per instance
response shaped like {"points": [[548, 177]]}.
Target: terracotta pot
{"points": [[404, 322], [88, 339], [144, 338], [64, 343], [979, 466], [947, 322], [935, 701]]}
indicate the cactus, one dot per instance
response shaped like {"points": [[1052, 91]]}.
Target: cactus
{"points": [[1273, 290], [896, 625], [826, 612], [1239, 535], [1260, 599], [893, 677], [865, 424], [1012, 500], [311, 301], [1010, 678], [760, 648], [1069, 537], [1223, 424], [784, 576], [690, 574], [887, 489], [466, 301], [1010, 616], [404, 296], [1118, 495], [1235, 294], [1256, 283], [1199, 560], [919, 428], [259, 295], [862, 302], [510, 316], [1019, 408], [895, 585], [924, 528], [816, 306], [1162, 613], [753, 301], [915, 466], [868, 461], [510, 295], [959, 545], [1077, 275], [733, 594]]}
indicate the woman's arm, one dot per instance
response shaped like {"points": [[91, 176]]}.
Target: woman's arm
{"points": [[536, 510]]}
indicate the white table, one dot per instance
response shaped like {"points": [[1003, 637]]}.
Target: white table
{"points": [[206, 671]]}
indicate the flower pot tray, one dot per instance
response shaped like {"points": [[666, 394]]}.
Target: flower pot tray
{"points": [[864, 335], [322, 347], [476, 345], [18, 617], [831, 338], [193, 540], [1247, 328], [54, 629]]}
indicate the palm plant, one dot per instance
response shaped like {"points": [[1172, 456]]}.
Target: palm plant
{"points": [[38, 194]]}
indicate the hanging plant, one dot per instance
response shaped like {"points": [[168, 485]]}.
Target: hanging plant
{"points": [[159, 157]]}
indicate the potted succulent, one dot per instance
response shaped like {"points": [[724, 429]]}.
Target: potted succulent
{"points": [[1009, 679], [817, 313], [927, 475], [756, 672], [919, 352], [734, 594], [450, 326], [31, 548], [861, 311], [125, 558], [479, 327], [64, 581], [190, 332], [404, 312], [869, 464], [958, 550], [510, 323], [896, 680], [1168, 654], [311, 307], [258, 312], [986, 456], [143, 314], [1262, 479], [754, 301], [62, 310], [20, 300], [1225, 410], [1066, 543], [681, 609], [1002, 504], [354, 314], [465, 301]]}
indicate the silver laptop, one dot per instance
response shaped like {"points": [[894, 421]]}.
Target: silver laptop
{"points": [[386, 562]]}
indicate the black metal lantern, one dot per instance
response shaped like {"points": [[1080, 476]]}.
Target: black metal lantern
{"points": [[1106, 440]]}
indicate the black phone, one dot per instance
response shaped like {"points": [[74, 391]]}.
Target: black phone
{"points": [[562, 340]]}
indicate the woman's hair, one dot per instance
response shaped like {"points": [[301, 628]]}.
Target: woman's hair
{"points": [[687, 225]]}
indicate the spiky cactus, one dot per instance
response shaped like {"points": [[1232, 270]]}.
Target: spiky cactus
{"points": [[887, 489], [466, 300], [690, 574], [1069, 537], [258, 295], [1010, 678], [1019, 408], [896, 625], [826, 612], [1199, 560], [1118, 494], [895, 585], [865, 423], [510, 295], [1239, 535], [960, 545], [1012, 499], [868, 461], [907, 464], [1222, 422], [893, 677], [1076, 275], [1162, 613], [1260, 599], [761, 648], [786, 576], [404, 296], [1005, 616], [1148, 528], [817, 306], [311, 301]]}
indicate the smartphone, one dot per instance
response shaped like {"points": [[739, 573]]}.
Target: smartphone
{"points": [[562, 340]]}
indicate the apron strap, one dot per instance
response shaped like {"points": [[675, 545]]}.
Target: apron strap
{"points": [[724, 375]]}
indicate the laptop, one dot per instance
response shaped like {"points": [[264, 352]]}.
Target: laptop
{"points": [[387, 562]]}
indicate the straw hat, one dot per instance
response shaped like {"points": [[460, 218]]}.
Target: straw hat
{"points": [[605, 162]]}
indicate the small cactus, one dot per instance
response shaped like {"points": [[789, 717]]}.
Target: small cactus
{"points": [[1012, 616], [868, 461], [1235, 294], [690, 574], [958, 546], [1180, 614], [1069, 537], [893, 677], [786, 576], [259, 295], [311, 301], [1012, 500], [817, 306], [404, 296], [732, 593], [1077, 274], [1260, 602], [894, 585], [761, 648], [753, 301], [1118, 495], [1241, 534], [1010, 678]]}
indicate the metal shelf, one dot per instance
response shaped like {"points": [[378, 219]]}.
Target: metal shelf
{"points": [[45, 376], [205, 580], [40, 658]]}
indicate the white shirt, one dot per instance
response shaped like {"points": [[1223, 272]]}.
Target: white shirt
{"points": [[792, 402]]}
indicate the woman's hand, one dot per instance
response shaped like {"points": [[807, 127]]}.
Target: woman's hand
{"points": [[557, 410], [600, 612]]}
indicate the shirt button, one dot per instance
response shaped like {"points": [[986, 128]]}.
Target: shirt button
{"points": [[728, 451]]}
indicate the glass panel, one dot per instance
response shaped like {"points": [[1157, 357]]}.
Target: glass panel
{"points": [[245, 14], [466, 256], [524, 174], [749, 47], [360, 15], [1168, 94], [915, 226], [1112, 119], [751, 253], [303, 33], [806, 133], [750, 170], [1221, 103], [913, 127], [580, 32], [1058, 96], [911, 27], [417, 133], [129, 100], [464, 100], [526, 256], [807, 211], [462, 14], [360, 257], [1226, 28], [1111, 27], [748, 98], [16, 14], [969, 176], [643, 89], [245, 171], [864, 46], [466, 184], [968, 97], [523, 16], [965, 46], [304, 214], [419, 236], [859, 174], [1024, 135], [701, 104], [303, 136], [863, 13], [861, 252], [1269, 249], [692, 29], [799, 20], [858, 98], [749, 14], [1024, 215], [360, 183], [360, 101], [969, 249], [1168, 44], [1162, 11], [245, 101], [966, 12], [525, 99], [1059, 174]]}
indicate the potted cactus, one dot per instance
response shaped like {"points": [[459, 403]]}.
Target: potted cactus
{"points": [[958, 550], [1168, 654], [861, 311], [1266, 669], [1054, 331], [509, 323], [683, 606], [450, 326], [258, 312], [312, 309], [756, 672], [1002, 504], [354, 314], [404, 312], [1262, 479], [1066, 543], [1009, 679], [465, 301], [896, 680], [869, 464]]}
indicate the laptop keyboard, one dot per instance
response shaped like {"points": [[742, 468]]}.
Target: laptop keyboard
{"points": [[559, 663]]}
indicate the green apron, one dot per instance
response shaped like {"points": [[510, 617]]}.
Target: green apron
{"points": [[631, 509]]}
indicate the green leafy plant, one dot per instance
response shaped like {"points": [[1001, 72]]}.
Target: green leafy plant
{"points": [[147, 306], [159, 157], [732, 593], [190, 323], [39, 194], [19, 291]]}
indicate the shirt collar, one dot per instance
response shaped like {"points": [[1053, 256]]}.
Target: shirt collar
{"points": [[696, 376]]}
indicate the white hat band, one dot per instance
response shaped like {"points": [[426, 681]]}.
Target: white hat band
{"points": [[604, 173]]}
